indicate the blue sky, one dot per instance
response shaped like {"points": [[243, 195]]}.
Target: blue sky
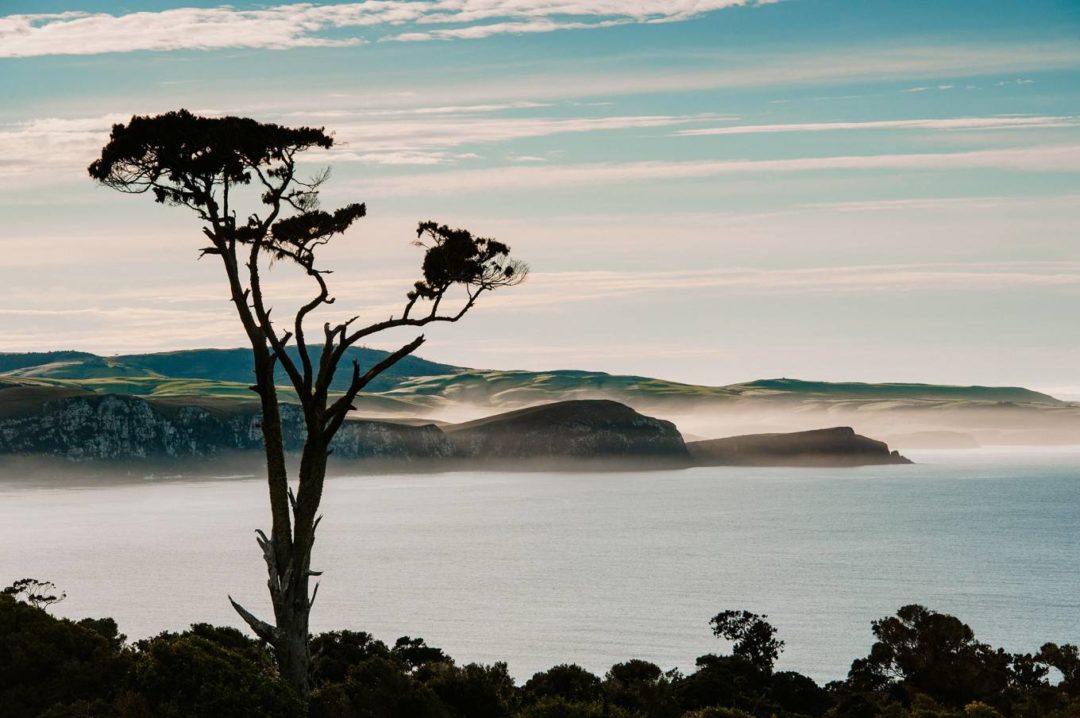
{"points": [[706, 190]]}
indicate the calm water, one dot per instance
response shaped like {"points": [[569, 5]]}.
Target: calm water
{"points": [[538, 569]]}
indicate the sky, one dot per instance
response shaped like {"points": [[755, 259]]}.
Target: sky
{"points": [[709, 191]]}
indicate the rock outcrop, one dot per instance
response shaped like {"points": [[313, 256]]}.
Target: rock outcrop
{"points": [[839, 446], [583, 429]]}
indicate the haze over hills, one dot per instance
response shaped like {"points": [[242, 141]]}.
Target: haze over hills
{"points": [[908, 415]]}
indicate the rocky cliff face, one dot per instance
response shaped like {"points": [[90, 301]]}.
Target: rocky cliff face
{"points": [[839, 446], [125, 428], [386, 441], [121, 427], [115, 427]]}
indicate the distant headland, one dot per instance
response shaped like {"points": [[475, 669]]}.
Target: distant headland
{"points": [[195, 404]]}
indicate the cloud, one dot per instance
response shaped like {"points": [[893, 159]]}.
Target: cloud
{"points": [[52, 146], [46, 148], [577, 353], [322, 115], [937, 203], [954, 123], [415, 135], [934, 87], [728, 70], [1045, 158], [476, 32], [128, 319], [404, 157], [306, 24], [557, 288]]}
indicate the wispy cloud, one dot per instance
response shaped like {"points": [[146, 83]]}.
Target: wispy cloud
{"points": [[51, 145], [404, 135], [1044, 158], [952, 123], [730, 70], [324, 115], [926, 88], [937, 203], [404, 157], [560, 288], [127, 319], [307, 24], [47, 148]]}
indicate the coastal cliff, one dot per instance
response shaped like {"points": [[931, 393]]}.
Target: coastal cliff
{"points": [[122, 428], [838, 446], [116, 427], [570, 434], [580, 429]]}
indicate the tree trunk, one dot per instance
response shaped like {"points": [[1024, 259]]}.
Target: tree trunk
{"points": [[291, 647], [289, 586], [276, 472]]}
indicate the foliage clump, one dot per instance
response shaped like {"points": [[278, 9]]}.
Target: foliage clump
{"points": [[923, 664]]}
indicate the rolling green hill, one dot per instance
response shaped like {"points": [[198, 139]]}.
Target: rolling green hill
{"points": [[920, 414], [924, 392], [506, 388], [198, 372], [416, 383]]}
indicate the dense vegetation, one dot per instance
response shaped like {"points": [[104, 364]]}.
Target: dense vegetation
{"points": [[922, 665]]}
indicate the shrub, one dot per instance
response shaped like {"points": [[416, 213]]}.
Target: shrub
{"points": [[46, 661]]}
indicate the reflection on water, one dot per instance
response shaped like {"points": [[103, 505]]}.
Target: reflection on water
{"points": [[538, 569]]}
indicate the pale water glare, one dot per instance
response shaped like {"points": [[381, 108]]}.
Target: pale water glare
{"points": [[539, 569]]}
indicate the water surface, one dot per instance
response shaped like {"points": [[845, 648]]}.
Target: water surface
{"points": [[538, 569]]}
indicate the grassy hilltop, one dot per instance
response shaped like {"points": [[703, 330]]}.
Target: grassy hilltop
{"points": [[912, 414]]}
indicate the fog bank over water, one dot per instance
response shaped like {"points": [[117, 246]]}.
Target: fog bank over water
{"points": [[903, 425], [539, 569]]}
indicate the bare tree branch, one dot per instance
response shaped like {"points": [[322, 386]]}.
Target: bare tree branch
{"points": [[335, 415], [261, 628]]}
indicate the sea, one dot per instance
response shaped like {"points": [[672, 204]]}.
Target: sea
{"points": [[539, 569]]}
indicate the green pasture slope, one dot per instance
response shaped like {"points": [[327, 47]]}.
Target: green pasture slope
{"points": [[416, 385]]}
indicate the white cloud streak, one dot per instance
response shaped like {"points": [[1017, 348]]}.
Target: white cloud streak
{"points": [[127, 320], [51, 146], [947, 124], [307, 24], [57, 148], [406, 135], [559, 288], [721, 70], [943, 203], [1045, 158]]}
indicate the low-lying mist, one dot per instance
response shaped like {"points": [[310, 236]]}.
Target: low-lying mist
{"points": [[901, 424]]}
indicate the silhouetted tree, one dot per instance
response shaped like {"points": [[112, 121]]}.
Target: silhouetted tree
{"points": [[567, 681], [474, 690], [1066, 659], [211, 166], [753, 637], [208, 672], [919, 651], [39, 594], [56, 668], [332, 653], [641, 687], [415, 653], [47, 661]]}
